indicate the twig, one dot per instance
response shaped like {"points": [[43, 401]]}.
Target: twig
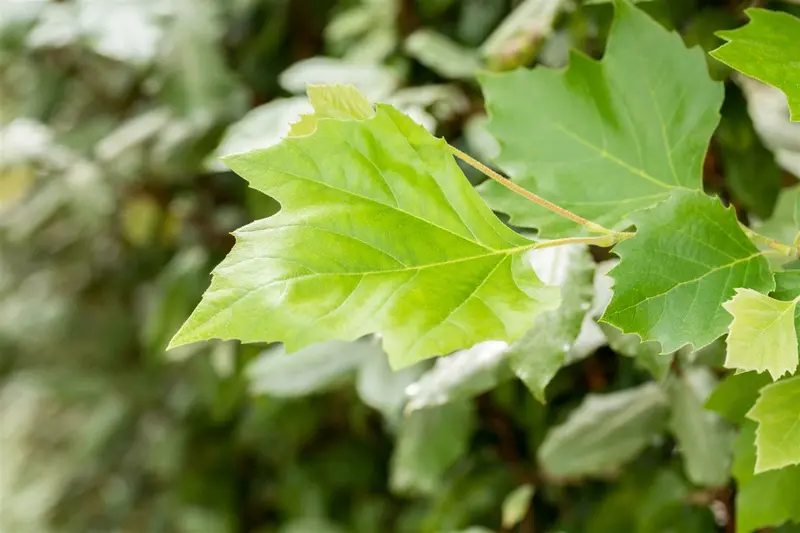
{"points": [[505, 182]]}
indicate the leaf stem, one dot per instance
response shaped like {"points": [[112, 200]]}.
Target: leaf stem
{"points": [[535, 198], [784, 249], [604, 241]]}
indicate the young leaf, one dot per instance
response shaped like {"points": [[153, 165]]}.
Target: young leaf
{"points": [[429, 443], [778, 433], [703, 437], [538, 355], [766, 499], [762, 335], [604, 432], [379, 231], [767, 49], [604, 139], [673, 275]]}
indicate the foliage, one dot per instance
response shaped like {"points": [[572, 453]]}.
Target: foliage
{"points": [[367, 246]]}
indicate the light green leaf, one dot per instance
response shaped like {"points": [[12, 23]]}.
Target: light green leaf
{"points": [[704, 439], [777, 412], [673, 276], [614, 136], [311, 370], [379, 231], [460, 376], [516, 505], [781, 226], [762, 335], [538, 355], [766, 499], [604, 432], [429, 443], [443, 56], [766, 49], [736, 394]]}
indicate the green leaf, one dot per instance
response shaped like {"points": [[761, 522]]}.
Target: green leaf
{"points": [[766, 499], [778, 433], [311, 370], [443, 56], [736, 394], [762, 335], [604, 432], [516, 505], [766, 49], [460, 376], [429, 443], [782, 226], [704, 439], [673, 276], [614, 136], [379, 231], [545, 348]]}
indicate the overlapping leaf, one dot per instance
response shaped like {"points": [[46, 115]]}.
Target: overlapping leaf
{"points": [[379, 231], [687, 258], [778, 433], [606, 138], [762, 335], [767, 49]]}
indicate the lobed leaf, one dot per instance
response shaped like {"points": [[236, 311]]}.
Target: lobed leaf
{"points": [[379, 231], [604, 138], [767, 48], [688, 256], [762, 335]]}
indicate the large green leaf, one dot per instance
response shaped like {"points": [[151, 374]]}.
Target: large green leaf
{"points": [[762, 335], [673, 276], [606, 138], [766, 499], [766, 49], [777, 412], [604, 432], [379, 231]]}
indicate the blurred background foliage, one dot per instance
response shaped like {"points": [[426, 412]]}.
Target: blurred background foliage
{"points": [[114, 208]]}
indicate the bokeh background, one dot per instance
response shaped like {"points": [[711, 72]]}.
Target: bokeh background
{"points": [[114, 208]]}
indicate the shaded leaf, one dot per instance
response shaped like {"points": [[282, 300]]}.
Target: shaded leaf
{"points": [[704, 439], [767, 499], [736, 394], [429, 443], [604, 432]]}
